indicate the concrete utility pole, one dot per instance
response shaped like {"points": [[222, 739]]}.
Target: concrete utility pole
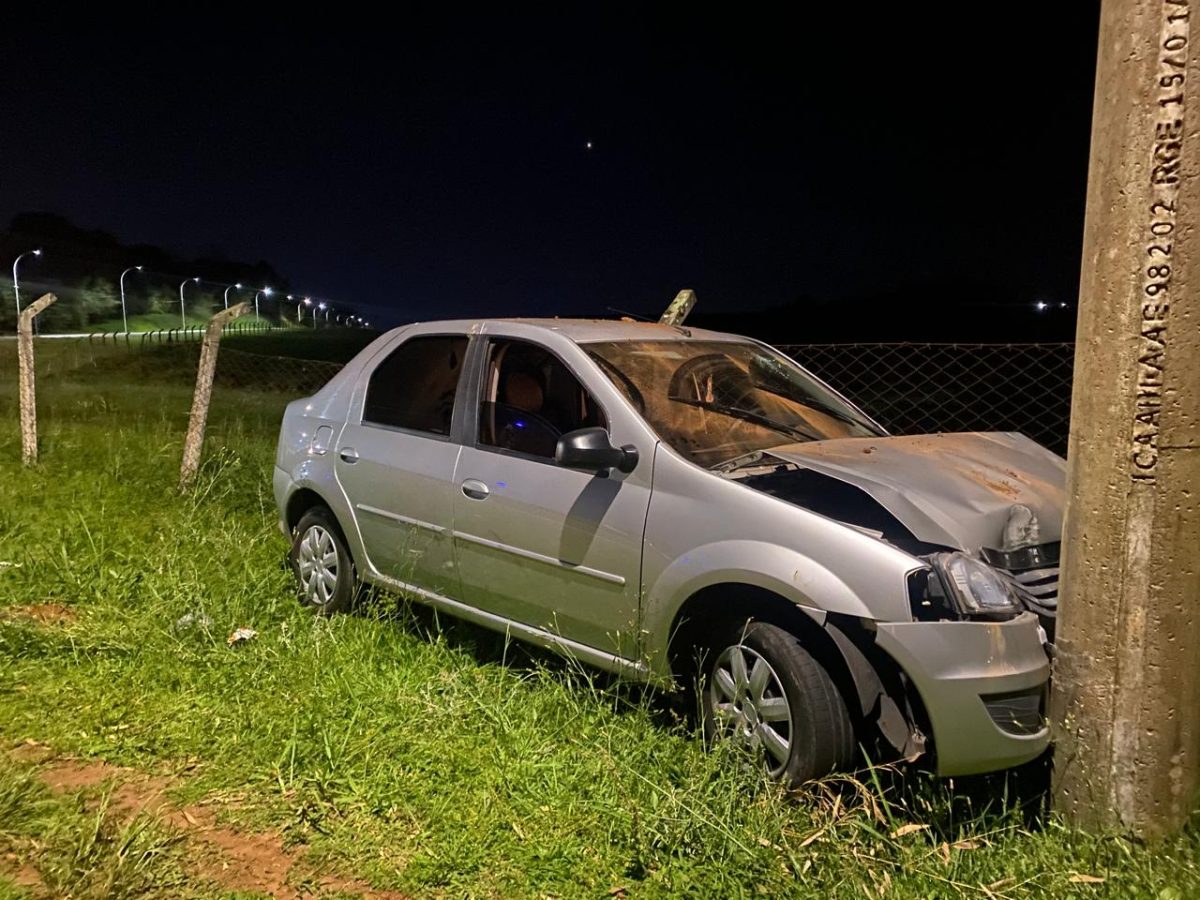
{"points": [[1127, 685]]}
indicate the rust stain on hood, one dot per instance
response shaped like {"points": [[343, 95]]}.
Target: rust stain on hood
{"points": [[951, 489]]}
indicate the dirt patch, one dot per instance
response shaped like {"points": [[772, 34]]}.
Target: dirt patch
{"points": [[19, 872], [233, 859], [43, 613]]}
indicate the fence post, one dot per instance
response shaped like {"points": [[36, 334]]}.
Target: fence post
{"points": [[29, 445], [679, 308], [200, 400]]}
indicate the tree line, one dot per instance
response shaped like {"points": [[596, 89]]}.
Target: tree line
{"points": [[83, 267]]}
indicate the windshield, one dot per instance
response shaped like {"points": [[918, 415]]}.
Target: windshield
{"points": [[714, 401]]}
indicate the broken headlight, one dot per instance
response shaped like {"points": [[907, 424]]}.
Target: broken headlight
{"points": [[978, 589]]}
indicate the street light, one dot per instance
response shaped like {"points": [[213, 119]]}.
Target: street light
{"points": [[16, 287], [307, 301], [257, 294], [182, 308], [121, 280], [232, 287]]}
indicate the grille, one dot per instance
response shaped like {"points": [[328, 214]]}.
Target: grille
{"points": [[1039, 586], [1034, 572]]}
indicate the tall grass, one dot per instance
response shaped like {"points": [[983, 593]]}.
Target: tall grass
{"points": [[410, 750]]}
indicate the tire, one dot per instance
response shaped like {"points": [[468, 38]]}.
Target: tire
{"points": [[798, 725], [324, 570]]}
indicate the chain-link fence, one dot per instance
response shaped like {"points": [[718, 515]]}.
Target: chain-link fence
{"points": [[924, 388], [908, 388]]}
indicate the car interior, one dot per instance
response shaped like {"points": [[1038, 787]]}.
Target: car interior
{"points": [[530, 399]]}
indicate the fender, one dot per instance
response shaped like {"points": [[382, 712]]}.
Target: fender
{"points": [[781, 570]]}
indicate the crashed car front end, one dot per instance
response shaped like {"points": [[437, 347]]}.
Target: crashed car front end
{"points": [[973, 508]]}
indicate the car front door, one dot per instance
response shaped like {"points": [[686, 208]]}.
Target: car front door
{"points": [[395, 461], [553, 548]]}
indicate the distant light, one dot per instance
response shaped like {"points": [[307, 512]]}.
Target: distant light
{"points": [[321, 305], [139, 268], [588, 145], [196, 279], [1041, 305], [238, 285], [290, 297], [1062, 305], [267, 291], [37, 252]]}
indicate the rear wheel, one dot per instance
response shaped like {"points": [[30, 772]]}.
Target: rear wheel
{"points": [[324, 571], [763, 690]]}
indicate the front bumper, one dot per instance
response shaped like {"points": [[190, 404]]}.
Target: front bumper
{"points": [[983, 685]]}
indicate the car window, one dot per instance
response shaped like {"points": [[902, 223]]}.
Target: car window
{"points": [[530, 399], [414, 386]]}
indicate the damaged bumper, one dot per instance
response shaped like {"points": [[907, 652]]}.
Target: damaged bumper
{"points": [[983, 685]]}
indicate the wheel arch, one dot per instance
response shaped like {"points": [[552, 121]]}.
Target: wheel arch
{"points": [[300, 502], [706, 612], [870, 685]]}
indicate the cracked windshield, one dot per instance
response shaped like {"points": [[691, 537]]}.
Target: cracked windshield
{"points": [[716, 401]]}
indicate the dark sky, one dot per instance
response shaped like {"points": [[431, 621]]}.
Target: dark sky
{"points": [[429, 168]]}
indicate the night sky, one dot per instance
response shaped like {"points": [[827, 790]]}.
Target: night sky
{"points": [[442, 167]]}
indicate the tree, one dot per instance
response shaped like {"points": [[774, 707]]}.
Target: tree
{"points": [[96, 299]]}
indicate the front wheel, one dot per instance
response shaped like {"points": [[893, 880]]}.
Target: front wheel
{"points": [[765, 691], [321, 563]]}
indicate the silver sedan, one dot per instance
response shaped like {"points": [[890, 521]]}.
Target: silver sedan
{"points": [[689, 507]]}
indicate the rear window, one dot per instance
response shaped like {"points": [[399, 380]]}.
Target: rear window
{"points": [[414, 387]]}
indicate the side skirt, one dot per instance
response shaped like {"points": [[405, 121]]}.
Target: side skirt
{"points": [[627, 668]]}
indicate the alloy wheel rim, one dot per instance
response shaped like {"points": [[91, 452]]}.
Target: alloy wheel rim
{"points": [[317, 565], [749, 705]]}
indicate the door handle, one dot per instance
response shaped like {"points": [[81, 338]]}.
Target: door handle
{"points": [[475, 489], [348, 455]]}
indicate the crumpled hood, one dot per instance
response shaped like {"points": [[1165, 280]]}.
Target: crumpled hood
{"points": [[951, 489]]}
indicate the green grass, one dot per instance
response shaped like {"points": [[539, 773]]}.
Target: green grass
{"points": [[426, 756], [331, 345]]}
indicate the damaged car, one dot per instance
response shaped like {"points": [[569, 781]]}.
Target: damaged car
{"points": [[690, 507]]}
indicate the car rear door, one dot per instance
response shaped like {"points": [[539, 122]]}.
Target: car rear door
{"points": [[396, 457]]}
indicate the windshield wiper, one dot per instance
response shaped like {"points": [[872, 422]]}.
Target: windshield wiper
{"points": [[749, 415], [815, 404]]}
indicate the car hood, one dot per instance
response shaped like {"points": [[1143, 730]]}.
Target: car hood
{"points": [[956, 490]]}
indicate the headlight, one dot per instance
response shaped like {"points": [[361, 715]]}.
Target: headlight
{"points": [[977, 587]]}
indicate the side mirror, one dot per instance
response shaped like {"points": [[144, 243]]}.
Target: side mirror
{"points": [[590, 449]]}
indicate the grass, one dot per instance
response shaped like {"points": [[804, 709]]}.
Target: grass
{"points": [[425, 756]]}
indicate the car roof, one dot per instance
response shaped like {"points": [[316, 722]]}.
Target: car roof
{"points": [[590, 330]]}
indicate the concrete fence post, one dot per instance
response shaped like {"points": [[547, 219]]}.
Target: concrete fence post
{"points": [[205, 373], [29, 443], [679, 309]]}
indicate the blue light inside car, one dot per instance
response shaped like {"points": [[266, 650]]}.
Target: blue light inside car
{"points": [[501, 484], [519, 423]]}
